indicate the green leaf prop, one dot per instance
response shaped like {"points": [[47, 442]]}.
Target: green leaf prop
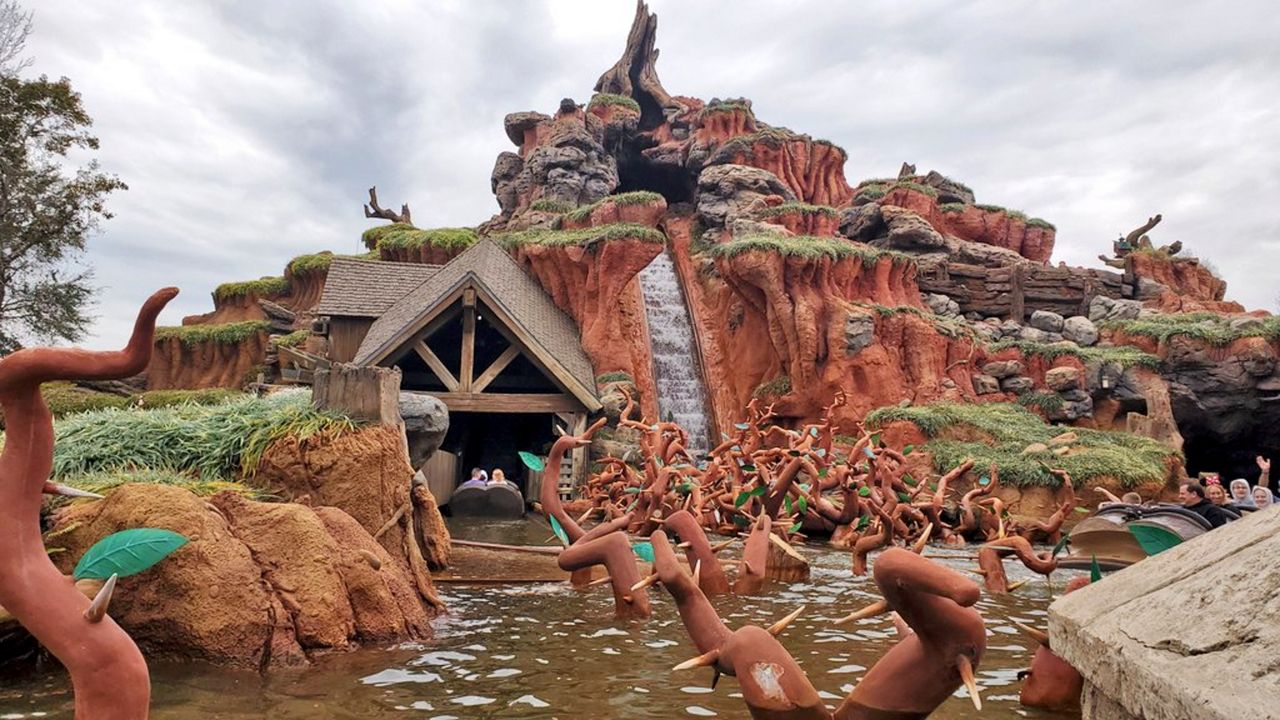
{"points": [[1095, 571], [875, 439], [863, 522], [1062, 545], [984, 480], [903, 497], [802, 505], [796, 528], [127, 552], [742, 499], [864, 491], [786, 503], [1082, 510], [685, 488], [741, 426], [867, 451], [748, 468], [759, 490], [906, 478], [741, 521], [1154, 539], [633, 490], [559, 531], [908, 449], [531, 461], [643, 550], [813, 431], [822, 452], [823, 472]]}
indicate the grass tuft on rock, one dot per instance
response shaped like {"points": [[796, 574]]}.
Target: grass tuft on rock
{"points": [[225, 334], [909, 185], [1096, 455], [1213, 329], [635, 197], [952, 207], [810, 247], [1123, 355], [583, 236], [614, 377], [776, 387], [399, 236], [261, 287], [293, 339], [1041, 223], [218, 442], [802, 209], [559, 207], [1048, 402], [607, 99], [104, 482]]}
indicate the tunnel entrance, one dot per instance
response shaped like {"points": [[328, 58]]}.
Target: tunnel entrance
{"points": [[492, 441], [637, 172]]}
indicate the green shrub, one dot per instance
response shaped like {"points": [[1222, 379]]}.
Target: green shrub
{"points": [[952, 207], [917, 187], [1048, 402], [261, 287], [399, 236], [613, 377], [170, 398], [802, 209], [226, 334], [1206, 327], [1123, 355], [635, 197], [605, 99], [315, 262], [222, 441], [583, 236], [728, 107], [550, 206], [776, 387], [806, 246], [293, 339], [1128, 459], [1041, 223]]}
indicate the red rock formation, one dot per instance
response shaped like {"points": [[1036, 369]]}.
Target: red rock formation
{"points": [[1192, 287], [610, 211], [597, 287], [176, 363], [258, 585], [814, 170], [426, 254], [977, 223], [801, 220]]}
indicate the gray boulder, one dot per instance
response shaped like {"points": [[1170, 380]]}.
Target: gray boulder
{"points": [[1102, 309], [985, 384], [859, 332], [1017, 384], [426, 422], [1050, 322], [941, 304], [908, 231], [1031, 334], [863, 223], [1002, 368], [1080, 330], [728, 191]]}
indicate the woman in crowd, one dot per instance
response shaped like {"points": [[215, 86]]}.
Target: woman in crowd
{"points": [[1262, 498], [1241, 496]]}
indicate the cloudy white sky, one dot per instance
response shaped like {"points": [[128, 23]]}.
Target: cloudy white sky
{"points": [[248, 130]]}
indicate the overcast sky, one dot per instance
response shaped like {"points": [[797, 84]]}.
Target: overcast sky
{"points": [[248, 131]]}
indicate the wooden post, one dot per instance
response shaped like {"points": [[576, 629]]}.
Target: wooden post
{"points": [[364, 393], [466, 372], [580, 455]]}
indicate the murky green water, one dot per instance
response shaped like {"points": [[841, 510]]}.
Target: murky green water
{"points": [[548, 651]]}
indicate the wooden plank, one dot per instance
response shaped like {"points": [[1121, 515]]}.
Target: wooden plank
{"points": [[466, 370], [436, 366], [511, 353], [580, 465], [509, 403]]}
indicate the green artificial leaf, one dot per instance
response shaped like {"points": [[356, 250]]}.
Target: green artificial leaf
{"points": [[748, 468], [933, 486], [1095, 571], [127, 552], [864, 491], [724, 436], [531, 461], [906, 478], [559, 531], [1082, 510], [903, 497], [908, 449], [632, 506], [794, 453], [802, 505], [875, 439], [685, 488], [759, 490], [742, 498], [821, 452], [867, 451], [1154, 539], [786, 504], [823, 472], [984, 480], [658, 461], [863, 522], [795, 528], [804, 487], [633, 491], [736, 448], [813, 431], [741, 521], [1062, 545], [643, 550], [741, 426]]}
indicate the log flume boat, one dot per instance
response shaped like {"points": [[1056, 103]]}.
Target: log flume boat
{"points": [[493, 500], [1119, 534]]}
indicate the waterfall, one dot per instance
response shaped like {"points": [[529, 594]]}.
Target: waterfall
{"points": [[676, 367]]}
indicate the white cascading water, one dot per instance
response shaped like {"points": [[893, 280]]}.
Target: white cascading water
{"points": [[682, 397]]}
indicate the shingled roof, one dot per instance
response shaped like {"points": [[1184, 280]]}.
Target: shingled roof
{"points": [[367, 288], [555, 337]]}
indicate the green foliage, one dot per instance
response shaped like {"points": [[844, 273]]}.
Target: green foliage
{"points": [[952, 207], [909, 185], [1123, 355], [104, 482], [212, 442], [1008, 429], [605, 99], [227, 334], [1048, 402], [728, 107], [49, 205], [171, 398], [613, 377], [531, 461], [127, 552], [316, 262], [776, 387], [399, 236], [872, 192], [1041, 223], [635, 197], [583, 236], [810, 247], [801, 208], [1207, 327], [261, 286], [550, 206], [64, 398], [293, 339]]}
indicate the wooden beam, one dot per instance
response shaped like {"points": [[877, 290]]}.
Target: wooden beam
{"points": [[509, 403], [466, 370], [580, 464], [511, 353], [436, 366]]}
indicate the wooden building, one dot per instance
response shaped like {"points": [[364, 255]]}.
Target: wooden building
{"points": [[479, 334]]}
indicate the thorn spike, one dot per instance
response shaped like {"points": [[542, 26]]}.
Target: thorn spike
{"points": [[98, 608], [782, 624], [644, 583], [703, 660], [970, 683], [1039, 636], [876, 608]]}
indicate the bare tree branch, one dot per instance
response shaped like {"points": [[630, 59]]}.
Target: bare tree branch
{"points": [[379, 212]]}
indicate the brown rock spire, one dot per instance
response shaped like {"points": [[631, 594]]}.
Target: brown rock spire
{"points": [[634, 75]]}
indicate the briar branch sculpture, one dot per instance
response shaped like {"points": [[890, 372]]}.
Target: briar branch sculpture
{"points": [[372, 210], [108, 673]]}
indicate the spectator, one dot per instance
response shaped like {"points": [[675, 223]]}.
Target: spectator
{"points": [[1215, 494], [1132, 498], [500, 478], [1262, 497], [1192, 496], [479, 478], [1264, 479], [1240, 495]]}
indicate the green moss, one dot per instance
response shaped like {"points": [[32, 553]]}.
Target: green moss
{"points": [[550, 206], [63, 398], [635, 197], [1123, 355], [1041, 223], [170, 398], [605, 99], [315, 262], [399, 236], [221, 441], [1097, 454], [227, 334], [776, 387], [583, 236], [878, 181], [728, 107], [293, 339], [872, 192], [613, 377], [917, 187], [801, 208], [1049, 402], [104, 482], [1209, 328], [261, 286], [806, 246], [952, 207]]}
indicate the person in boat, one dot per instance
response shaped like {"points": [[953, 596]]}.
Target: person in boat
{"points": [[1262, 498], [1129, 498], [1241, 495], [1193, 497], [479, 478], [1264, 478], [500, 478]]}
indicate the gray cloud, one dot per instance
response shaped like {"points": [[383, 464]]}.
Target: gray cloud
{"points": [[249, 131]]}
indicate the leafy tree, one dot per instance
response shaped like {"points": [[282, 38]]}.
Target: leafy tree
{"points": [[48, 207]]}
